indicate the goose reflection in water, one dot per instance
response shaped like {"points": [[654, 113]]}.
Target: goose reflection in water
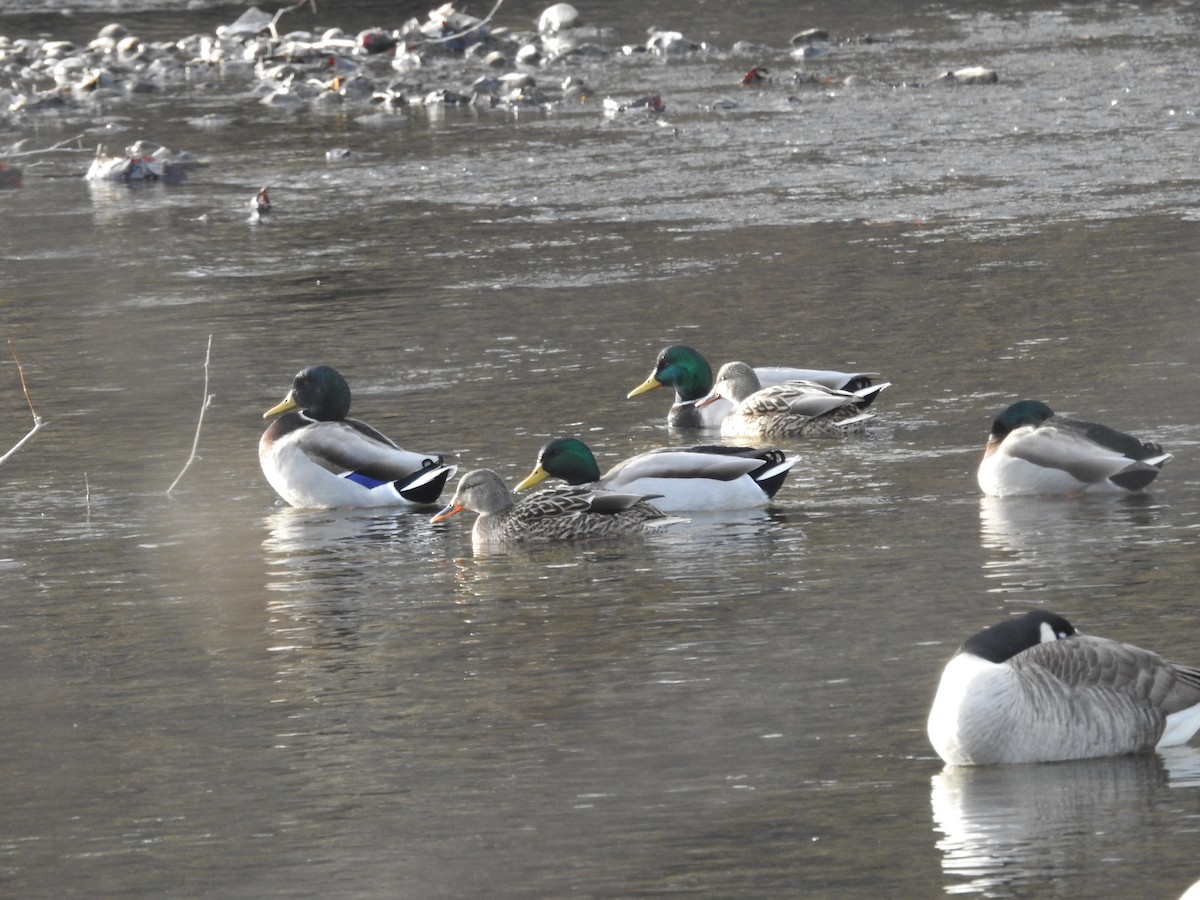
{"points": [[1035, 541], [1006, 826]]}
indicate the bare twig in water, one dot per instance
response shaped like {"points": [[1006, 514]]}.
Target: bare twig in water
{"points": [[208, 398], [279, 15], [53, 148], [38, 422], [465, 31]]}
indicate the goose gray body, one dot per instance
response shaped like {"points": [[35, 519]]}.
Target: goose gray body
{"points": [[1032, 689]]}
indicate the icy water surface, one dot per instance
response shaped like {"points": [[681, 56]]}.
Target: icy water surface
{"points": [[210, 694]]}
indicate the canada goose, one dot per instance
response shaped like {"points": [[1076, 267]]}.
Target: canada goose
{"points": [[1032, 689]]}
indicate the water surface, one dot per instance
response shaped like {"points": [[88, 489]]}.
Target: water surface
{"points": [[211, 694]]}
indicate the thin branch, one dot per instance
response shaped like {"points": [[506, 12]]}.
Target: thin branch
{"points": [[38, 422], [458, 34], [279, 14], [61, 145], [208, 399]]}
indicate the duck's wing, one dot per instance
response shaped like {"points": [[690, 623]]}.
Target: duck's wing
{"points": [[772, 465], [565, 500], [574, 512], [768, 376], [1116, 441], [866, 394], [797, 398], [350, 446], [714, 462], [1066, 446]]}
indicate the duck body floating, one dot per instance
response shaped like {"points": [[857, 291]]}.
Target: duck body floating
{"points": [[315, 457], [790, 409], [1033, 689], [554, 514], [681, 479], [690, 374], [1030, 450]]}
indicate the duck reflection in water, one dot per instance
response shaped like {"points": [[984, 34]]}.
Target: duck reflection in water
{"points": [[1056, 541]]}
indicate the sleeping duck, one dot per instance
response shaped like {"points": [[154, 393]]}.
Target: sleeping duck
{"points": [[316, 457], [1030, 450]]}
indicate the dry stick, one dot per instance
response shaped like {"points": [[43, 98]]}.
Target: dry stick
{"points": [[208, 398], [279, 14], [465, 31], [53, 148], [38, 421]]}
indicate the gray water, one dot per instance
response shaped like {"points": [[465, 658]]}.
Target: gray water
{"points": [[208, 694]]}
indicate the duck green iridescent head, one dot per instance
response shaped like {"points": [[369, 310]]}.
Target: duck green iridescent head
{"points": [[567, 458], [319, 392], [683, 369], [1018, 415]]}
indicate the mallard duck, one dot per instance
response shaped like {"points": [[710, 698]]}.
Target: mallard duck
{"points": [[260, 205], [317, 458], [552, 514], [1032, 451], [790, 409], [680, 478], [690, 374], [1032, 689]]}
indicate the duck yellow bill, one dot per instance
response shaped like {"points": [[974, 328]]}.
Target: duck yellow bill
{"points": [[448, 511], [287, 403], [537, 476], [648, 385]]}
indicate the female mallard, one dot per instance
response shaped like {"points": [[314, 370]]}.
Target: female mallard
{"points": [[1032, 451], [690, 374], [317, 458], [679, 478], [1032, 689], [790, 409], [554, 514]]}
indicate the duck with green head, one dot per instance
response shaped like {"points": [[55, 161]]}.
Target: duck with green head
{"points": [[679, 478], [1030, 450], [686, 370], [315, 456]]}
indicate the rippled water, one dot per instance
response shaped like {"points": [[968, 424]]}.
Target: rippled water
{"points": [[211, 694]]}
